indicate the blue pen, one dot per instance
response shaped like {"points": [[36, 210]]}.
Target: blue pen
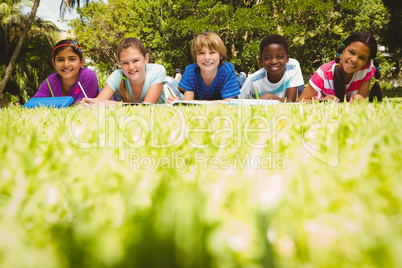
{"points": [[332, 92]]}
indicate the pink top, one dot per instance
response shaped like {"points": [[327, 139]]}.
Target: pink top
{"points": [[319, 80]]}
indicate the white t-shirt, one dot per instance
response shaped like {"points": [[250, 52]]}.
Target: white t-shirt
{"points": [[291, 78]]}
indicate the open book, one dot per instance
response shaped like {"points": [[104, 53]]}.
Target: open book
{"points": [[236, 102], [253, 102], [182, 102], [136, 103]]}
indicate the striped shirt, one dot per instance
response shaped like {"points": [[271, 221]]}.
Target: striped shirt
{"points": [[224, 86], [323, 79]]}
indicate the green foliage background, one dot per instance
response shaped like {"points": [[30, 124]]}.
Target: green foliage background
{"points": [[313, 28], [34, 62], [69, 197]]}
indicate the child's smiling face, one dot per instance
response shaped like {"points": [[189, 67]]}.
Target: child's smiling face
{"points": [[354, 58], [68, 64], [133, 63], [274, 59], [208, 59]]}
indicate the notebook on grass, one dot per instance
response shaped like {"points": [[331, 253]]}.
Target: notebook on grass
{"points": [[136, 103], [57, 102], [253, 102], [197, 102]]}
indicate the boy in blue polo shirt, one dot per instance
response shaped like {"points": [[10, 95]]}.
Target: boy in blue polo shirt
{"points": [[211, 78]]}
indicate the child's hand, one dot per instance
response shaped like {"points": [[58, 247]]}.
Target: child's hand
{"points": [[330, 98], [171, 99], [356, 97], [86, 102], [268, 96]]}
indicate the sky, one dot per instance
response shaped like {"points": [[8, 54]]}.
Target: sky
{"points": [[50, 10]]}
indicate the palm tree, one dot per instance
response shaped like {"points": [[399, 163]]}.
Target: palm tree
{"points": [[69, 4], [63, 5], [34, 62], [11, 13], [19, 45]]}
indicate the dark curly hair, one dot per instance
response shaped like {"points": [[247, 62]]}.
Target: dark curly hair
{"points": [[274, 39]]}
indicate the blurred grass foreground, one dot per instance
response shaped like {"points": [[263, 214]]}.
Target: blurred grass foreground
{"points": [[312, 185]]}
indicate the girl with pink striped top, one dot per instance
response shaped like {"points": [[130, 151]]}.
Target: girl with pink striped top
{"points": [[347, 77]]}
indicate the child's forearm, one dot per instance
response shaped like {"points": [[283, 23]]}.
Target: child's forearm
{"points": [[88, 102], [291, 94], [270, 96], [304, 100], [188, 95], [97, 101], [154, 93], [308, 94]]}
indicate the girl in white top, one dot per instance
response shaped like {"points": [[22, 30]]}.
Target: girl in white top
{"points": [[137, 81]]}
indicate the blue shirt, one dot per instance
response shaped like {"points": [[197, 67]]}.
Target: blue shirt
{"points": [[223, 86]]}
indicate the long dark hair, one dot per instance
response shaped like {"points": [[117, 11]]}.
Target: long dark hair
{"points": [[339, 81], [65, 43]]}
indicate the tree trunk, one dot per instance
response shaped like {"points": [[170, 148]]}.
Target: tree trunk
{"points": [[17, 50]]}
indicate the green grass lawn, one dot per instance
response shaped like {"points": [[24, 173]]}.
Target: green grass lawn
{"points": [[312, 185]]}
